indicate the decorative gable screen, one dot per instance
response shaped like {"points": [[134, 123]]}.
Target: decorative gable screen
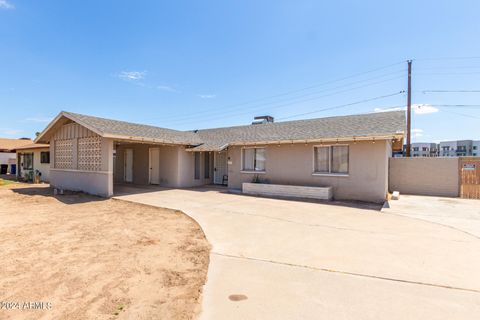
{"points": [[77, 148], [64, 154], [90, 153]]}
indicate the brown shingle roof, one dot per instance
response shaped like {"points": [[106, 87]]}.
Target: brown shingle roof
{"points": [[12, 144], [380, 124], [383, 124], [127, 129]]}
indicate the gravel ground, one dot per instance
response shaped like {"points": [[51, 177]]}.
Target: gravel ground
{"points": [[91, 258]]}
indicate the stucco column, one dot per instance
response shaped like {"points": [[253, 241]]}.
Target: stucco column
{"points": [[107, 164]]}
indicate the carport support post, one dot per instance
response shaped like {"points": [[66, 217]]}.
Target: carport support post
{"points": [[107, 164]]}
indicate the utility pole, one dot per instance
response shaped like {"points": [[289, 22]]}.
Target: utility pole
{"points": [[409, 107]]}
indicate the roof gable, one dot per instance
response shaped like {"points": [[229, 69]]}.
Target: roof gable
{"points": [[120, 130]]}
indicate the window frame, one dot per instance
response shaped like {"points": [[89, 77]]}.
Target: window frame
{"points": [[23, 161], [329, 173], [42, 153], [242, 170]]}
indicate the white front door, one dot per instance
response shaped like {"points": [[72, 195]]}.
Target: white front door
{"points": [[154, 163], [128, 165], [220, 164]]}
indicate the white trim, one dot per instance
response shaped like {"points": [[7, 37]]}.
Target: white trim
{"points": [[330, 173], [253, 172], [241, 159]]}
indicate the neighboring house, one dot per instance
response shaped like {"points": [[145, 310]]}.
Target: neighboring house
{"points": [[349, 153], [459, 148], [476, 148], [423, 149], [34, 159], [8, 160]]}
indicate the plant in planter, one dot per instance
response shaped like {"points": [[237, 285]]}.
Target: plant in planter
{"points": [[256, 179], [29, 176], [38, 175]]}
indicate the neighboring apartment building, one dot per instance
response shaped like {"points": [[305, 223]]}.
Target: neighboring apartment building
{"points": [[424, 149], [476, 148], [459, 148]]}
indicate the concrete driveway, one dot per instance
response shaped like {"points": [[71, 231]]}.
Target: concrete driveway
{"points": [[461, 214], [279, 259]]}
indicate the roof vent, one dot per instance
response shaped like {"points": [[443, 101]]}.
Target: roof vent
{"points": [[263, 120]]}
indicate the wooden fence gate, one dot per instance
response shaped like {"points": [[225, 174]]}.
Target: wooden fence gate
{"points": [[469, 177]]}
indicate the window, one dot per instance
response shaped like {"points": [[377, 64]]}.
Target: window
{"points": [[331, 159], [424, 149], [207, 165], [474, 147], [253, 159], [197, 165], [28, 161], [415, 148], [45, 157]]}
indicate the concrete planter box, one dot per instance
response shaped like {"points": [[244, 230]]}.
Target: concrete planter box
{"points": [[278, 190]]}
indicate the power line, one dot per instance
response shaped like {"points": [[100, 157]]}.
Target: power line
{"points": [[462, 114], [451, 91], [355, 75], [277, 104], [343, 105], [446, 73], [221, 111], [447, 67], [448, 58], [457, 105]]}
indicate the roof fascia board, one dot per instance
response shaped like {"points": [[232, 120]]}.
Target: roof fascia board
{"points": [[68, 116], [356, 138], [50, 125], [143, 140]]}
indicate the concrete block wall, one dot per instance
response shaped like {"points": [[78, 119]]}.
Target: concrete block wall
{"points": [[425, 176]]}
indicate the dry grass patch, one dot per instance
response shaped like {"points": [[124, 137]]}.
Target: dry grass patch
{"points": [[94, 258]]}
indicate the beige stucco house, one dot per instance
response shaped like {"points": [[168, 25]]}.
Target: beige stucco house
{"points": [[348, 153], [34, 160]]}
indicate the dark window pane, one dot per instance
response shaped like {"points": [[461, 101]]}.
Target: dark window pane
{"points": [[207, 165], [340, 159], [197, 165]]}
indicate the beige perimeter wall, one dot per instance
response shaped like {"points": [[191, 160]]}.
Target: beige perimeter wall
{"points": [[425, 176], [293, 165]]}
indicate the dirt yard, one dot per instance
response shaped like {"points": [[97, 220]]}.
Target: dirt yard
{"points": [[91, 258]]}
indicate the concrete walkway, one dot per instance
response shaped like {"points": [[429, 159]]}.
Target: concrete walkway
{"points": [[279, 259]]}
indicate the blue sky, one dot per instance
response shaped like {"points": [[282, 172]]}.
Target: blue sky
{"points": [[198, 64]]}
